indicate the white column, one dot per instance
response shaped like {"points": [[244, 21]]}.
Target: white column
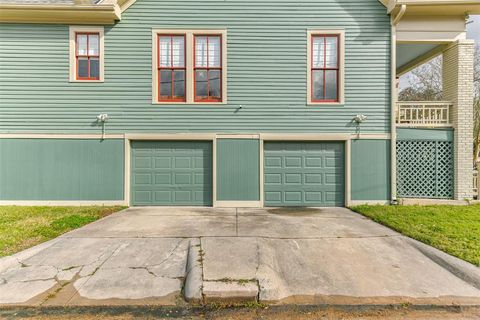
{"points": [[458, 88]]}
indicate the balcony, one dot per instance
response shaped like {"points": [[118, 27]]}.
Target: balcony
{"points": [[423, 114]]}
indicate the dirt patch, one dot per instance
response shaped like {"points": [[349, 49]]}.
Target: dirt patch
{"points": [[281, 313], [295, 211]]}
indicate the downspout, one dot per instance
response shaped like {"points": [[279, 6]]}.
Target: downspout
{"points": [[400, 14], [393, 132]]}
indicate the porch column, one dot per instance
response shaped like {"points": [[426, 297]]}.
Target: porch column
{"points": [[458, 88]]}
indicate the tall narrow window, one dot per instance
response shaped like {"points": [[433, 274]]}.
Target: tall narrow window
{"points": [[87, 55], [325, 68], [171, 68], [208, 68]]}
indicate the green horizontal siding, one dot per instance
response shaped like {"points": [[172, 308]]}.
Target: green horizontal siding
{"points": [[445, 134], [267, 62], [57, 169], [370, 167], [238, 170]]}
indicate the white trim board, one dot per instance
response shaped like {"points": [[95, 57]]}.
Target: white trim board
{"points": [[238, 204], [73, 203]]}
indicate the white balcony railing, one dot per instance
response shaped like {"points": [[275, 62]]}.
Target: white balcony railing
{"points": [[423, 114]]}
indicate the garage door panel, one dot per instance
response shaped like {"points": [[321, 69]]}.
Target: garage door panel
{"points": [[180, 173], [304, 173]]}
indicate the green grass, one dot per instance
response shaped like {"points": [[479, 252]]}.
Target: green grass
{"points": [[452, 229], [24, 227]]}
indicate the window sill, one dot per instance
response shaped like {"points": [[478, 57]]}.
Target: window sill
{"points": [[187, 103], [86, 81], [320, 104]]}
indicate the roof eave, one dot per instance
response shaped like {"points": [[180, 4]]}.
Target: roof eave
{"points": [[60, 14]]}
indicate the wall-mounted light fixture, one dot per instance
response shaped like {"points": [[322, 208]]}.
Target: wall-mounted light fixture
{"points": [[103, 117]]}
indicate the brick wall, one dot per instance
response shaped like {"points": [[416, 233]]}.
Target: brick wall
{"points": [[458, 88]]}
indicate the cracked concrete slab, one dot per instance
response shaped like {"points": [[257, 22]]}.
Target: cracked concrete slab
{"points": [[306, 255], [230, 258], [126, 283], [353, 267], [308, 226], [163, 257], [181, 211], [128, 225], [69, 253], [32, 273], [222, 291], [18, 292]]}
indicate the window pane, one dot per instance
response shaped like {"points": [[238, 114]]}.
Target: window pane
{"points": [[82, 44], [179, 84], [94, 68], [317, 88], [179, 51], [214, 49], [318, 52], [215, 84], [82, 67], [93, 45], [165, 51], [165, 84], [200, 51], [332, 54], [201, 84], [331, 84]]}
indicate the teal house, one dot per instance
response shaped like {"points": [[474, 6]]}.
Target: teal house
{"points": [[231, 103]]}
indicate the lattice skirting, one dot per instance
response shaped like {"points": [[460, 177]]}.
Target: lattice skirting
{"points": [[425, 169]]}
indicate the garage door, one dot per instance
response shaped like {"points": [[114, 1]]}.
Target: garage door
{"points": [[171, 173], [304, 173]]}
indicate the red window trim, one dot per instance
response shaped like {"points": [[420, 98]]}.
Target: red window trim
{"points": [[88, 56], [312, 68], [207, 68], [172, 69]]}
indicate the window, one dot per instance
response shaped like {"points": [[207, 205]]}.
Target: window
{"points": [[171, 68], [189, 66], [208, 68], [325, 79], [86, 54]]}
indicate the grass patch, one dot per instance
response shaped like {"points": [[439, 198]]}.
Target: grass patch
{"points": [[452, 229], [23, 227]]}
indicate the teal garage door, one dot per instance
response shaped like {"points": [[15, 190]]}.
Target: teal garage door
{"points": [[304, 173], [171, 173]]}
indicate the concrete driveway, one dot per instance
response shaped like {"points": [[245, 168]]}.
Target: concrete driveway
{"points": [[171, 256]]}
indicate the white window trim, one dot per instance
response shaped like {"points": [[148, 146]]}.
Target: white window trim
{"points": [[72, 44], [189, 94], [341, 72]]}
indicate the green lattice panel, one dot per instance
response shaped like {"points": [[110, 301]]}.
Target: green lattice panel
{"points": [[424, 169]]}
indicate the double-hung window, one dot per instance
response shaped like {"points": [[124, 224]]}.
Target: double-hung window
{"points": [[171, 68], [208, 68], [325, 68], [189, 66], [86, 54]]}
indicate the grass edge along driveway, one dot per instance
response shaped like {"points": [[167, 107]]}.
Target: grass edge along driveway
{"points": [[452, 229], [24, 227]]}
